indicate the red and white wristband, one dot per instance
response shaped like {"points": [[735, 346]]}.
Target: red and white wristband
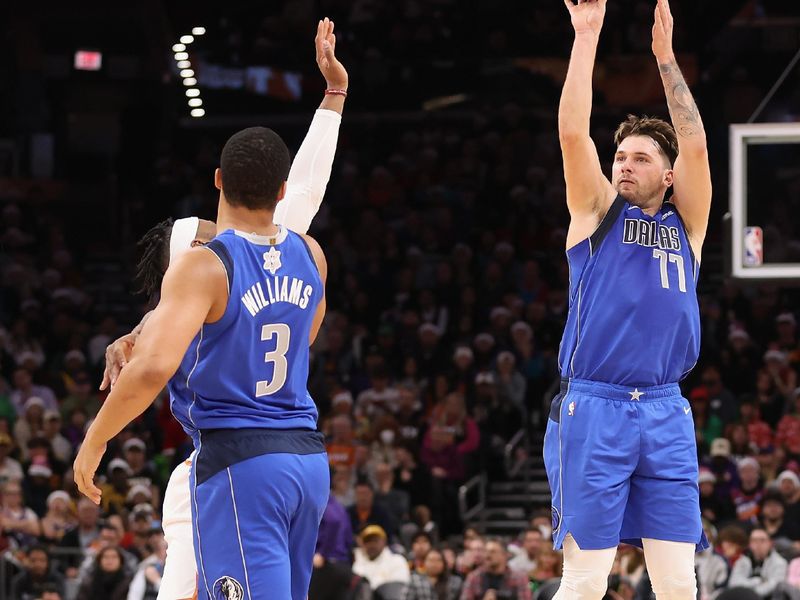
{"points": [[335, 92]]}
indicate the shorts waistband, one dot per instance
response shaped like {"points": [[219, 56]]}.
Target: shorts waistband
{"points": [[611, 391]]}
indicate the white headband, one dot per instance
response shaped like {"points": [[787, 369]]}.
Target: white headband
{"points": [[184, 232]]}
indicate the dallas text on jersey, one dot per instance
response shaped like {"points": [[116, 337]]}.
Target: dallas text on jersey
{"points": [[651, 234]]}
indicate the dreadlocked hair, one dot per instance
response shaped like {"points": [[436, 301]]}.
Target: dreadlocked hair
{"points": [[154, 260]]}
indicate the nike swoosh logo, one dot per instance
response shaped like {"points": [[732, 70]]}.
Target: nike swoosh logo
{"points": [[686, 410]]}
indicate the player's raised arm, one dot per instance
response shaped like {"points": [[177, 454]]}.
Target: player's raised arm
{"points": [[311, 168], [692, 175], [589, 193]]}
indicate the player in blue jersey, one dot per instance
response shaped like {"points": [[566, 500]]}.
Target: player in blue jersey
{"points": [[256, 295], [620, 447]]}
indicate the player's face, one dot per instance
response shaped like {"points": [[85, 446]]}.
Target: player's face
{"points": [[641, 173]]}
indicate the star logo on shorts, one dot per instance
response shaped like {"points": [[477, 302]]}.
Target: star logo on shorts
{"points": [[636, 394], [227, 588], [272, 260]]}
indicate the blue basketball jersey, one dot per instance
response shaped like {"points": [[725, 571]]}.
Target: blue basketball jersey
{"points": [[633, 313], [250, 368]]}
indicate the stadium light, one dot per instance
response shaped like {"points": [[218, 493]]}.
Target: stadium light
{"points": [[178, 47], [193, 102], [187, 73], [181, 56], [184, 64], [186, 39], [198, 112], [192, 93], [198, 30], [189, 81]]}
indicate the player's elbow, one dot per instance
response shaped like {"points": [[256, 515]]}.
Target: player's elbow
{"points": [[694, 148], [155, 373], [570, 136]]}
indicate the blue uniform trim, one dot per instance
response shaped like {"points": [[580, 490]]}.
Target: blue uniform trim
{"points": [[605, 225], [308, 249], [225, 447], [218, 248]]}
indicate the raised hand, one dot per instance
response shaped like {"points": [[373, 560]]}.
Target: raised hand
{"points": [[662, 32], [587, 15], [332, 70]]}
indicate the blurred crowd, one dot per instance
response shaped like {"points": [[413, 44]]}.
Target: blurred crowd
{"points": [[447, 296]]}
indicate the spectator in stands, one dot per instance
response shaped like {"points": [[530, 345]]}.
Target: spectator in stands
{"points": [[115, 490], [109, 537], [24, 389], [137, 539], [740, 441], [450, 440], [421, 544], [376, 562], [142, 472], [61, 447], [525, 560], [496, 576], [10, 469], [109, 578], [84, 535], [549, 566], [473, 556], [29, 426], [732, 543], [395, 501], [37, 576], [147, 580], [365, 511], [722, 402], [411, 476], [342, 485], [434, 581], [747, 496], [715, 508], [761, 568], [19, 522], [707, 426], [712, 568], [784, 532], [82, 397], [769, 400], [784, 377], [789, 486], [36, 487], [58, 519], [331, 578], [758, 431], [341, 447], [788, 434]]}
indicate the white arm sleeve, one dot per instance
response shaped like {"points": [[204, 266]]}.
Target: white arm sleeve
{"points": [[310, 173]]}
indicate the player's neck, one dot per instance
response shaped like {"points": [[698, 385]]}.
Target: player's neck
{"points": [[243, 219]]}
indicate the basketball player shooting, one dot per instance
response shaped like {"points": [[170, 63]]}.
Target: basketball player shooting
{"points": [[620, 446]]}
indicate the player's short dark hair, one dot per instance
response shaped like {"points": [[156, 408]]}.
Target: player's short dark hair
{"points": [[154, 261], [255, 164], [661, 132]]}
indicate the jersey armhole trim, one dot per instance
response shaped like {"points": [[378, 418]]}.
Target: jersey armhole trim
{"points": [[310, 253], [695, 262], [605, 225], [221, 252]]}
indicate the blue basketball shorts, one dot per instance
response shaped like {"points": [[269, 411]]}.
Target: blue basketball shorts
{"points": [[255, 521], [622, 465]]}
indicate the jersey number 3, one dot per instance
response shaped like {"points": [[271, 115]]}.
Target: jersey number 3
{"points": [[277, 357], [664, 258]]}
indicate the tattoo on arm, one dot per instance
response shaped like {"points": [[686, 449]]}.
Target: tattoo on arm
{"points": [[682, 107]]}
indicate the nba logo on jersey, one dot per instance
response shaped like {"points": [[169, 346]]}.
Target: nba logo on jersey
{"points": [[753, 246], [227, 588], [571, 409]]}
